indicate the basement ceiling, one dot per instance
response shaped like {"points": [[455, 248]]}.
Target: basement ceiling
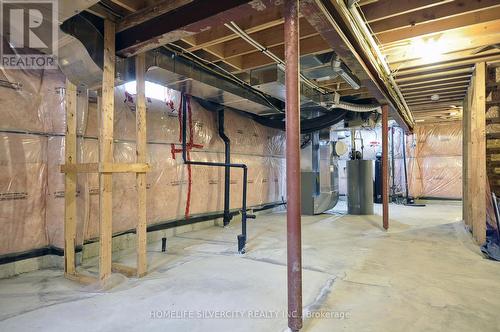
{"points": [[431, 45]]}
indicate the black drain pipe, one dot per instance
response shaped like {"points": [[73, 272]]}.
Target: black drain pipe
{"points": [[242, 238], [227, 169]]}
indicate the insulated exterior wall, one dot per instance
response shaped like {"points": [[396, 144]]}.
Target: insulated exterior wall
{"points": [[32, 187], [433, 155]]}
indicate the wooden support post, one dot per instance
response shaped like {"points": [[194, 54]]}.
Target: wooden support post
{"points": [[465, 160], [474, 155], [106, 151], [385, 166], [70, 181], [141, 152]]}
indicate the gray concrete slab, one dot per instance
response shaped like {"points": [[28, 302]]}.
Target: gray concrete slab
{"points": [[424, 274]]}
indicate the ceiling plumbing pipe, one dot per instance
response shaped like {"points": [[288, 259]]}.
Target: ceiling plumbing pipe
{"points": [[246, 37]]}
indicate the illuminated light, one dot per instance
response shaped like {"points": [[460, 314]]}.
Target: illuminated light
{"points": [[153, 90], [430, 50]]}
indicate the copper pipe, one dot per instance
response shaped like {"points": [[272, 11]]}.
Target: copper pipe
{"points": [[294, 259], [385, 167]]}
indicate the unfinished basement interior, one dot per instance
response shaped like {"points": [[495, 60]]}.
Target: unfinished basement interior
{"points": [[263, 165]]}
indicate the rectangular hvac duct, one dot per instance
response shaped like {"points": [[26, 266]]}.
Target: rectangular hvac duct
{"points": [[271, 80]]}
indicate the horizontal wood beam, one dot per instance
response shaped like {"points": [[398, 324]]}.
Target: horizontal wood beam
{"points": [[149, 13], [183, 22], [106, 168], [447, 79], [311, 45], [81, 278], [441, 74], [460, 62], [443, 95], [434, 90], [440, 26], [124, 269], [443, 11], [424, 87], [448, 101], [438, 105], [268, 38], [130, 5], [381, 10], [251, 23]]}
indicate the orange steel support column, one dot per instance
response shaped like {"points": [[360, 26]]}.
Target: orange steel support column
{"points": [[385, 166], [294, 249]]}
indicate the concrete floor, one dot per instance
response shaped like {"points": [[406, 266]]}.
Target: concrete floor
{"points": [[424, 274]]}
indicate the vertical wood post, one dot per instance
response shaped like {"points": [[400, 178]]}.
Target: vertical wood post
{"points": [[385, 166], [141, 152], [476, 155], [466, 160], [106, 152], [294, 247], [70, 180]]}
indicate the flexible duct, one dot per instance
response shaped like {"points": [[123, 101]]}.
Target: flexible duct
{"points": [[359, 108]]}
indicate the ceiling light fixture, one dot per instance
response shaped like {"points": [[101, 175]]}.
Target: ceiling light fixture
{"points": [[430, 49]]}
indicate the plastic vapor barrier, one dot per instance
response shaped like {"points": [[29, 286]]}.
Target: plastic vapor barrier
{"points": [[32, 150], [433, 156]]}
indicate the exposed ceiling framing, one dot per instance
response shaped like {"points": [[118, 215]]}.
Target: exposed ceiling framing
{"points": [[460, 30], [432, 47]]}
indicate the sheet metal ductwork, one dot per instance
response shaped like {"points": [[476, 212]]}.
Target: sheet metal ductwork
{"points": [[83, 32], [319, 175], [81, 51]]}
